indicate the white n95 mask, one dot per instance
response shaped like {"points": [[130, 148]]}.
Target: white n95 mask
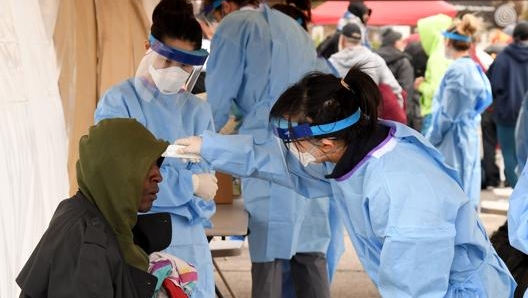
{"points": [[304, 157], [169, 80]]}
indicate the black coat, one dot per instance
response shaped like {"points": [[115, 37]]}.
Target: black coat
{"points": [[78, 256]]}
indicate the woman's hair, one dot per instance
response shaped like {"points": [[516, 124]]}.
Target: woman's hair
{"points": [[320, 98], [294, 12], [239, 3], [468, 26], [174, 19]]}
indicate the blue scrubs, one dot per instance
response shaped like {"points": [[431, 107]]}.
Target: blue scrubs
{"points": [[420, 241], [255, 55], [170, 117], [464, 93]]}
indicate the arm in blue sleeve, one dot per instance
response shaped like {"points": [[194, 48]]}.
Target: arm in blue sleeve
{"points": [[452, 101], [518, 214], [239, 155], [225, 69]]}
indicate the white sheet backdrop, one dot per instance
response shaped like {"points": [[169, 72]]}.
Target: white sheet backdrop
{"points": [[33, 141]]}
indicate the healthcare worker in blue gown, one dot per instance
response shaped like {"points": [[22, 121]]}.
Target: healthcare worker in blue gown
{"points": [[423, 239], [156, 99], [464, 93], [256, 53], [521, 136], [518, 219]]}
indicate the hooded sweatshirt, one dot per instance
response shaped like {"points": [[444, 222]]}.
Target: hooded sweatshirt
{"points": [[373, 64], [508, 76], [430, 30], [114, 160], [89, 240]]}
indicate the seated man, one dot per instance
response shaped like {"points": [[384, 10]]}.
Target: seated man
{"points": [[88, 249]]}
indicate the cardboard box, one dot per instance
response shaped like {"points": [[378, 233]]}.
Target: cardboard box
{"points": [[224, 195]]}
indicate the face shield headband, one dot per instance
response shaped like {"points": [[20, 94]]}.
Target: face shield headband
{"points": [[456, 36], [211, 7], [295, 132], [196, 57]]}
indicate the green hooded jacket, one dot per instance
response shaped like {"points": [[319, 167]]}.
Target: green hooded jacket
{"points": [[430, 30], [114, 160]]}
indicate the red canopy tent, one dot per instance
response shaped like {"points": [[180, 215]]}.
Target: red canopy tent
{"points": [[384, 12]]}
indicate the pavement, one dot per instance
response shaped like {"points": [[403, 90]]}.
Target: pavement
{"points": [[350, 280]]}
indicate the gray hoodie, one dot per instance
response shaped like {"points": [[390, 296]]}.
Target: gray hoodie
{"points": [[372, 64]]}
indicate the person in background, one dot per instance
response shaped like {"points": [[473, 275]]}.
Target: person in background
{"points": [[299, 10], [508, 75], [88, 248], [256, 53], [357, 13], [157, 99], [490, 169], [419, 61], [521, 135], [430, 31], [464, 93], [399, 63], [353, 53], [421, 241]]}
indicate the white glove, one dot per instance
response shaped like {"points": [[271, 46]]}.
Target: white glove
{"points": [[191, 145], [173, 151], [205, 185]]}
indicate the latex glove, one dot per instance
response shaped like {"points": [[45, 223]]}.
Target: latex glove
{"points": [[192, 145], [205, 185], [173, 151]]}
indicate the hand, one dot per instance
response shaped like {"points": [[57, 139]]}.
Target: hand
{"points": [[205, 185], [192, 145], [417, 82]]}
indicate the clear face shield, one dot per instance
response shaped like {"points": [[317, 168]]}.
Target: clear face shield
{"points": [[168, 70], [292, 133]]}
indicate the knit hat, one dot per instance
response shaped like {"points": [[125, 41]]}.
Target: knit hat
{"points": [[520, 32], [389, 37], [352, 31], [358, 8]]}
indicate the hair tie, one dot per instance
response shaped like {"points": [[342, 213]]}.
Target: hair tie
{"points": [[344, 84]]}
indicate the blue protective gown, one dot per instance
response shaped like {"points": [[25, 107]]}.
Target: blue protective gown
{"points": [[255, 55], [521, 135], [421, 241], [464, 93], [170, 117]]}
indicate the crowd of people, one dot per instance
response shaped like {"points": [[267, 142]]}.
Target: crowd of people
{"points": [[327, 140]]}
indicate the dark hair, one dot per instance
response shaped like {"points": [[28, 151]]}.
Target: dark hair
{"points": [[239, 3], [174, 19], [295, 13], [468, 26], [520, 32], [320, 98]]}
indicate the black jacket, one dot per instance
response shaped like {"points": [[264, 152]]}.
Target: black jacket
{"points": [[400, 65], [78, 256]]}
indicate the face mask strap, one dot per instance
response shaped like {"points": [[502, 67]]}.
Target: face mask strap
{"points": [[196, 57]]}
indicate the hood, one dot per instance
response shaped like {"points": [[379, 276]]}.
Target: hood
{"points": [[114, 159], [430, 30], [391, 54], [519, 52]]}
